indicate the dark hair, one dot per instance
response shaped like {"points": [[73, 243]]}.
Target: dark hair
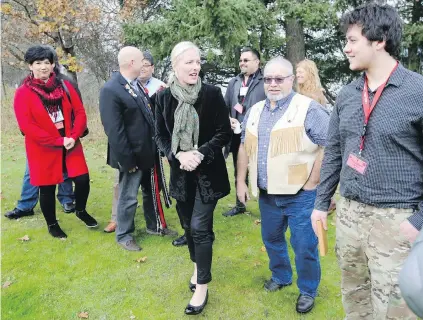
{"points": [[148, 57], [56, 68], [252, 50], [378, 22], [38, 53]]}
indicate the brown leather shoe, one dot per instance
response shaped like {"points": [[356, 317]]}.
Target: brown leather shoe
{"points": [[111, 227]]}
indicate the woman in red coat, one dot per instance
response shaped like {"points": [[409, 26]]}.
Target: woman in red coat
{"points": [[43, 111]]}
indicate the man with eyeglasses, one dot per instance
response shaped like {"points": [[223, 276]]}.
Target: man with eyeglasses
{"points": [[282, 137], [243, 91], [150, 84]]}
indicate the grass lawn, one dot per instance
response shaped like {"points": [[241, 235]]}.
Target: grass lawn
{"points": [[89, 272]]}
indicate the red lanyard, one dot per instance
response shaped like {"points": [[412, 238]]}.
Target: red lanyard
{"points": [[367, 108]]}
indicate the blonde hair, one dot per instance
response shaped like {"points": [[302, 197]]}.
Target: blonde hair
{"points": [[312, 86], [180, 48]]}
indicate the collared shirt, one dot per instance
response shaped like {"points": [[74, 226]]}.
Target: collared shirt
{"points": [[316, 127], [392, 149], [152, 85], [250, 79]]}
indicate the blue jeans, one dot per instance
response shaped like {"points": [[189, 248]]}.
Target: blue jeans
{"points": [[30, 194], [277, 213]]}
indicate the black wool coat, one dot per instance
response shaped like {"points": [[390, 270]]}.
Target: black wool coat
{"points": [[211, 175]]}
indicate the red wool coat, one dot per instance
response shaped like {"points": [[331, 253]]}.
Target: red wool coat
{"points": [[43, 143]]}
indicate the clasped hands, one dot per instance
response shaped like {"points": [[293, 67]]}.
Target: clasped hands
{"points": [[189, 159], [68, 143]]}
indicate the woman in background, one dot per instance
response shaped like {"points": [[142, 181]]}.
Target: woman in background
{"points": [[308, 81], [309, 85], [44, 113]]}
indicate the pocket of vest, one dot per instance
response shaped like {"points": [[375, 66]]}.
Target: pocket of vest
{"points": [[298, 174]]}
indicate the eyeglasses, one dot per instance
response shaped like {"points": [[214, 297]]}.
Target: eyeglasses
{"points": [[146, 65], [278, 80], [245, 60]]}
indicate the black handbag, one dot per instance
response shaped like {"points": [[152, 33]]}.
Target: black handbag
{"points": [[86, 131]]}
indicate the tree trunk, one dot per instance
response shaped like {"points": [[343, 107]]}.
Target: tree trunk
{"points": [[295, 44], [413, 57]]}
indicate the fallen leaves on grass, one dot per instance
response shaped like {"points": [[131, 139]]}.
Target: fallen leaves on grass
{"points": [[7, 284], [141, 260], [256, 264], [24, 238], [257, 222], [263, 249], [83, 315]]}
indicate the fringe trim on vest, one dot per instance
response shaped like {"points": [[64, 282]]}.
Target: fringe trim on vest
{"points": [[286, 140], [250, 144]]}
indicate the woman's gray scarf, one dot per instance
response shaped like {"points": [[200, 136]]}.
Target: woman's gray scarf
{"points": [[187, 126]]}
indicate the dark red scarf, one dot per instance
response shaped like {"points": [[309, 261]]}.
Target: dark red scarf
{"points": [[50, 92]]}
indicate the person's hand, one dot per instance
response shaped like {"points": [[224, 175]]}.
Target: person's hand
{"points": [[68, 143], [133, 169], [190, 159], [332, 205], [317, 215], [409, 231], [242, 192], [234, 123]]}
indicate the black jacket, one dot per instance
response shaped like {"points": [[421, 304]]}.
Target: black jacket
{"points": [[255, 94], [211, 175], [128, 124]]}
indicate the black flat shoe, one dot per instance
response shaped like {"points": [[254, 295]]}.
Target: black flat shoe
{"points": [[192, 286], [304, 303], [181, 241], [234, 211], [272, 286], [17, 214], [68, 207], [56, 231], [193, 310]]}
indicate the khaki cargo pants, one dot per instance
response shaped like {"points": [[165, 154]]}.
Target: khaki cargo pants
{"points": [[370, 252]]}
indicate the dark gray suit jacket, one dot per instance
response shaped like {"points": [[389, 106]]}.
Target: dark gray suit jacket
{"points": [[128, 124], [411, 277]]}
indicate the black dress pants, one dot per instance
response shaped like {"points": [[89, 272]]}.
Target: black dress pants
{"points": [[197, 220]]}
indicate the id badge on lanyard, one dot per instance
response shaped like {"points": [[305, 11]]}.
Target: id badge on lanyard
{"points": [[356, 161], [57, 119]]}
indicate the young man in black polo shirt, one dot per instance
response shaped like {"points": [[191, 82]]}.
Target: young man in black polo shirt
{"points": [[374, 150]]}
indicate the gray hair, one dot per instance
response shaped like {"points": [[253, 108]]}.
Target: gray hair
{"points": [[180, 48], [284, 63]]}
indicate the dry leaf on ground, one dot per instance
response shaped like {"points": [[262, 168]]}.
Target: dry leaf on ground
{"points": [[7, 284], [83, 315], [24, 238], [263, 249], [257, 222], [141, 260]]}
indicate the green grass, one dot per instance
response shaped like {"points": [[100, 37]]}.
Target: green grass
{"points": [[53, 279]]}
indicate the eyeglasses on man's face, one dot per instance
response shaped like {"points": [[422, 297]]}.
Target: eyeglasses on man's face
{"points": [[246, 60], [146, 65], [278, 80]]}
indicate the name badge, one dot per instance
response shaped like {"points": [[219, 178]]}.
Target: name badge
{"points": [[243, 91], [59, 125], [238, 107], [357, 163], [58, 117]]}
